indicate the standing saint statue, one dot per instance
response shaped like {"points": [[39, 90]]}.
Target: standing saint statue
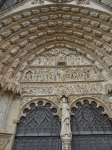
{"points": [[65, 118]]}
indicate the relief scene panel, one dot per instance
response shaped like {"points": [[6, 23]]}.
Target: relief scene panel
{"points": [[61, 74], [60, 65], [60, 56]]}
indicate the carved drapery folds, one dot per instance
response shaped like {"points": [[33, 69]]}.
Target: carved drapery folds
{"points": [[10, 85]]}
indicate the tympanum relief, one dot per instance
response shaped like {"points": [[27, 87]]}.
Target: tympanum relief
{"points": [[60, 65], [60, 56]]}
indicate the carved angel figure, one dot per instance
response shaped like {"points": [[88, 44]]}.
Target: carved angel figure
{"points": [[65, 120]]}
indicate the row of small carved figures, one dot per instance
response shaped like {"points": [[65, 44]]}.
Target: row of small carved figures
{"points": [[63, 76]]}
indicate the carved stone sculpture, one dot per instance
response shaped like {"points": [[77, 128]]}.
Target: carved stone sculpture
{"points": [[65, 120], [66, 134]]}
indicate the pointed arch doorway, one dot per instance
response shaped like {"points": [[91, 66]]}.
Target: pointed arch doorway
{"points": [[90, 129], [39, 130]]}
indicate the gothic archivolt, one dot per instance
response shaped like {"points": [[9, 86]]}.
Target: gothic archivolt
{"points": [[24, 32], [53, 51]]}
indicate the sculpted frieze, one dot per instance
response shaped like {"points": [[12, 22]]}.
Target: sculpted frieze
{"points": [[62, 89], [64, 74]]}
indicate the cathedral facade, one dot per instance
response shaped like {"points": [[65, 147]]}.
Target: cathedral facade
{"points": [[55, 75]]}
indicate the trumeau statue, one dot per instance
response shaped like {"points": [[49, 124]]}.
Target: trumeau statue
{"points": [[65, 118]]}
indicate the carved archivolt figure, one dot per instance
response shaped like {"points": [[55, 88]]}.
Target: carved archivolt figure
{"points": [[65, 120]]}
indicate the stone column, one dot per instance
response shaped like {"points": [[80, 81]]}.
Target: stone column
{"points": [[66, 142]]}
